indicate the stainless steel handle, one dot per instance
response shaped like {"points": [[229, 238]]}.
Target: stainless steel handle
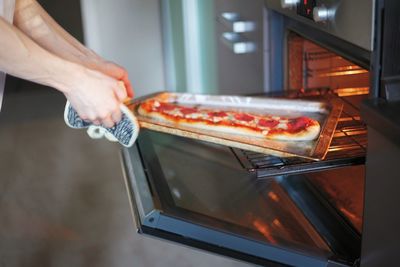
{"points": [[323, 14], [289, 3], [237, 43], [234, 22]]}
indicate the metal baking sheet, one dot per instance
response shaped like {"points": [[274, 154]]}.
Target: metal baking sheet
{"points": [[326, 113]]}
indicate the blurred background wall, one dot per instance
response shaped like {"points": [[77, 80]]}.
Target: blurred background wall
{"points": [[128, 32]]}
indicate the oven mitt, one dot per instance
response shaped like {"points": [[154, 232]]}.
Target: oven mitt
{"points": [[125, 131]]}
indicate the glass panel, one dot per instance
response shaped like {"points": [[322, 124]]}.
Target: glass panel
{"points": [[344, 189], [208, 181]]}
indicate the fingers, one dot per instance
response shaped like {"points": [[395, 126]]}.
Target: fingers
{"points": [[119, 73], [120, 92], [128, 86], [108, 122], [112, 118], [102, 117], [116, 116]]}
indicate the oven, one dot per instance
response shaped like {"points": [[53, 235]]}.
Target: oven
{"points": [[277, 211]]}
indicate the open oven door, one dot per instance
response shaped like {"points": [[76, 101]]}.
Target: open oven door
{"points": [[196, 193]]}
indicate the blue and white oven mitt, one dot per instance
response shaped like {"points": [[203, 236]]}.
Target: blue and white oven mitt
{"points": [[125, 131]]}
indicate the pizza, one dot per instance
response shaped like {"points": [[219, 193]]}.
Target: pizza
{"points": [[230, 121]]}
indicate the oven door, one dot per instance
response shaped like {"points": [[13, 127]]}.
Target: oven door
{"points": [[197, 193]]}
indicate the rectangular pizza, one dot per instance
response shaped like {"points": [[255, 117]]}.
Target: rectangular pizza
{"points": [[227, 120]]}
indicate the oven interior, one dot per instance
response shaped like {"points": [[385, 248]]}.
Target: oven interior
{"points": [[312, 210], [311, 66]]}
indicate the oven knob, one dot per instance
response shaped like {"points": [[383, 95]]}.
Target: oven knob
{"points": [[323, 14], [289, 3]]}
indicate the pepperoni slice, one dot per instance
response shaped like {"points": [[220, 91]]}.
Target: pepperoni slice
{"points": [[268, 123], [299, 123], [217, 114], [166, 107], [187, 111], [244, 117]]}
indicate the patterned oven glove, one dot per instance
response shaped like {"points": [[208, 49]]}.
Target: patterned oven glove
{"points": [[125, 132]]}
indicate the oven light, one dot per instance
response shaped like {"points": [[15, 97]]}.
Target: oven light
{"points": [[342, 73], [348, 213], [351, 91], [343, 147], [277, 223], [351, 67], [273, 196], [264, 230], [352, 118]]}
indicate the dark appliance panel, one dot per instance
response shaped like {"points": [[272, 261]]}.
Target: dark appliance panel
{"points": [[351, 21], [381, 232]]}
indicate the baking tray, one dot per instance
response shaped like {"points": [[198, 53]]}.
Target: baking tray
{"points": [[326, 113]]}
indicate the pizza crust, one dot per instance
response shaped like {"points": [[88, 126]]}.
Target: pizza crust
{"points": [[308, 134]]}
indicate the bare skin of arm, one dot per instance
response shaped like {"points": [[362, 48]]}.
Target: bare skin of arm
{"points": [[36, 23], [94, 95], [36, 48]]}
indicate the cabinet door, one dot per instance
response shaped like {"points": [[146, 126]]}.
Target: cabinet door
{"points": [[240, 72]]}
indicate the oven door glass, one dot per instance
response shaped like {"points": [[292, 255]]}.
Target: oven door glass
{"points": [[197, 193]]}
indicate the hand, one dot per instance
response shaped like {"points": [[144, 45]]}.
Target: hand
{"points": [[119, 73], [96, 97], [111, 69]]}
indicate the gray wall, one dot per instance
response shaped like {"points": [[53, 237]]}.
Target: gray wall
{"points": [[129, 33]]}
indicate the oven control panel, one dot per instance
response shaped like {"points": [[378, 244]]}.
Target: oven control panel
{"points": [[352, 21], [305, 8]]}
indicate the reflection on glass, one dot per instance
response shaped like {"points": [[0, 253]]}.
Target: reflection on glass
{"points": [[344, 189], [207, 180]]}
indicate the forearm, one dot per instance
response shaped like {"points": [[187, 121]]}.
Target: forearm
{"points": [[20, 56], [36, 23]]}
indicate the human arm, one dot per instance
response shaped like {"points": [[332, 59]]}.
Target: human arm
{"points": [[94, 95], [36, 23]]}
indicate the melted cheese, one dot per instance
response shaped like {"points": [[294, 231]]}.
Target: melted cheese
{"points": [[282, 125], [194, 116], [265, 132], [176, 113]]}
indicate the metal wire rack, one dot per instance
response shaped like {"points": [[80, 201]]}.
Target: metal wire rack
{"points": [[348, 146]]}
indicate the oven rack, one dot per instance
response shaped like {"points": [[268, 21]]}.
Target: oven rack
{"points": [[348, 146]]}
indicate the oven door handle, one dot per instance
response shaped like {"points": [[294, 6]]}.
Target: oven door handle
{"points": [[237, 43]]}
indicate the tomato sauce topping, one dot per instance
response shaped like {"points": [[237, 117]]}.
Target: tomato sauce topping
{"points": [[166, 107], [268, 123], [244, 117], [217, 114], [299, 124], [187, 111]]}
